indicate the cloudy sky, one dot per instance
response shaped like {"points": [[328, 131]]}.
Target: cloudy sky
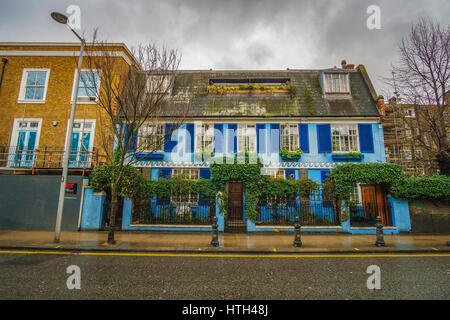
{"points": [[237, 34]]}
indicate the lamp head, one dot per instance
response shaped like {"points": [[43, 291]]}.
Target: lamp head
{"points": [[59, 17]]}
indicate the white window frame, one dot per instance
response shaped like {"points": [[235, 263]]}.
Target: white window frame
{"points": [[192, 174], [23, 83], [408, 154], [15, 134], [419, 153], [293, 143], [356, 143], [276, 173], [410, 113], [202, 135], [74, 94], [344, 82], [243, 132], [356, 195], [83, 131], [140, 137]]}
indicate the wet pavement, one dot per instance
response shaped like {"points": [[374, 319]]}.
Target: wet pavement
{"points": [[116, 276], [200, 241]]}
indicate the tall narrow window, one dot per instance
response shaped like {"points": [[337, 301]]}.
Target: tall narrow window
{"points": [[246, 138], [151, 137], [344, 138], [336, 83], [204, 137], [289, 137], [34, 85], [88, 86]]}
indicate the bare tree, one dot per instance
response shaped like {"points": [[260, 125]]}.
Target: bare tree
{"points": [[422, 80], [130, 98]]}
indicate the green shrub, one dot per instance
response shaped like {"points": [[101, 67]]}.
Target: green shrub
{"points": [[433, 188]]}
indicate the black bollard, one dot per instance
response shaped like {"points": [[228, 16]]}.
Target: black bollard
{"points": [[215, 233], [380, 239], [297, 233]]}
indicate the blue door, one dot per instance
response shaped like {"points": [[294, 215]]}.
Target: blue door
{"points": [[79, 150], [25, 148]]}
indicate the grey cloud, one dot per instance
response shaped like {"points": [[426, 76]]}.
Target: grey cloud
{"points": [[246, 34]]}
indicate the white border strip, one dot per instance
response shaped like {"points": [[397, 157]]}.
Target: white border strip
{"points": [[32, 53]]}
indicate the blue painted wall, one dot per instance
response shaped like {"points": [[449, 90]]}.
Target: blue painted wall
{"points": [[92, 214], [400, 214]]}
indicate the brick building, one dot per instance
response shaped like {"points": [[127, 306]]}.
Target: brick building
{"points": [[36, 93], [404, 125]]}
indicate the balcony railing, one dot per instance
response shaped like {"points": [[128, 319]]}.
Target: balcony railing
{"points": [[48, 158]]}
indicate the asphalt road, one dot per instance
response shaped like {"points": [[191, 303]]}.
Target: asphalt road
{"points": [[43, 276]]}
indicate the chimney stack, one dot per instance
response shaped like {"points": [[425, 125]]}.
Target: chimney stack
{"points": [[346, 66], [380, 105]]}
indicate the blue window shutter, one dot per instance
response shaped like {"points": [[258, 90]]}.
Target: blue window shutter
{"points": [[324, 137], [324, 175], [168, 143], [261, 137], [288, 172], [166, 173], [128, 133], [304, 137], [365, 138], [232, 137], [190, 140], [218, 137], [274, 137], [205, 173]]}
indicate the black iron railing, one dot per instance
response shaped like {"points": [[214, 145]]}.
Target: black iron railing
{"points": [[311, 213], [200, 212]]}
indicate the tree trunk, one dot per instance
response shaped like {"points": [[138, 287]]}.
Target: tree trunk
{"points": [[112, 216], [443, 161]]}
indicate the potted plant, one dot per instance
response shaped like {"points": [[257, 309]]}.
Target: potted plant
{"points": [[287, 155]]}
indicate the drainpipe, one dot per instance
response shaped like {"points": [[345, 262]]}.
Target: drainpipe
{"points": [[5, 61]]}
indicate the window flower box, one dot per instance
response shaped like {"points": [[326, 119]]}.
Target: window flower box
{"points": [[347, 156], [150, 156], [296, 158], [290, 155]]}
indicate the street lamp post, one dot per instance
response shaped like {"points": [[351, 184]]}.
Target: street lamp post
{"points": [[63, 19]]}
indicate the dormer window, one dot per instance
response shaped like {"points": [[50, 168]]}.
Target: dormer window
{"points": [[336, 83]]}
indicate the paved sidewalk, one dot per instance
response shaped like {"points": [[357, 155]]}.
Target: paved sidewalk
{"points": [[200, 242]]}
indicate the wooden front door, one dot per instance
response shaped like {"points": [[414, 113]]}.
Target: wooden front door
{"points": [[235, 201], [375, 203]]}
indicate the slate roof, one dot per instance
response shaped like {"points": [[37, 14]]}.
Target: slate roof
{"points": [[306, 100]]}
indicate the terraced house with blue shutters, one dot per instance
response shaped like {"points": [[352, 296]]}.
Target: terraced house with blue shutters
{"points": [[301, 123]]}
